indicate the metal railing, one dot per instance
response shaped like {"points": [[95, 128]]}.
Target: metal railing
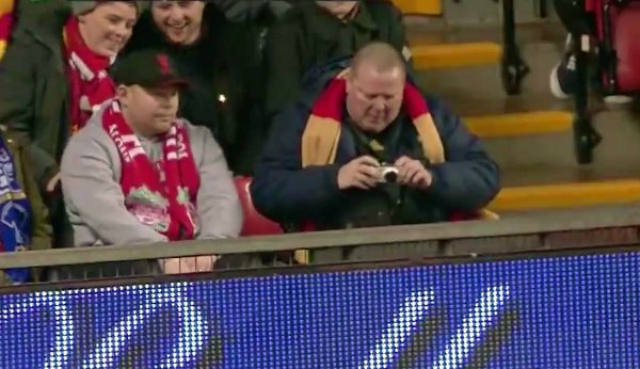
{"points": [[592, 227]]}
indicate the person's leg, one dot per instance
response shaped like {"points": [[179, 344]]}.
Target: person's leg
{"points": [[573, 15], [563, 79]]}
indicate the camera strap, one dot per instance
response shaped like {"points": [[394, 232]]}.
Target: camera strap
{"points": [[380, 148], [366, 145]]}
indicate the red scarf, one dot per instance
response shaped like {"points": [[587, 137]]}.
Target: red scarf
{"points": [[322, 133], [89, 81], [161, 195], [7, 21]]}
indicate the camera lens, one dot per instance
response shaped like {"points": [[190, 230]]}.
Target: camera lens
{"points": [[391, 177]]}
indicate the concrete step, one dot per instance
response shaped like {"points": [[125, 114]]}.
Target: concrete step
{"points": [[489, 112], [617, 154], [531, 135], [520, 124], [420, 7], [471, 13], [476, 91], [435, 56], [567, 195], [558, 186]]}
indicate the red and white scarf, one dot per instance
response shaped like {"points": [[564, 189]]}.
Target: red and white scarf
{"points": [[163, 195], [89, 81]]}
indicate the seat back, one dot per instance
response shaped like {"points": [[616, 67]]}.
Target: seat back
{"points": [[592, 6], [255, 224], [617, 28], [625, 33]]}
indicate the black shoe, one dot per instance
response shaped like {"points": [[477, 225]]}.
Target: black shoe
{"points": [[564, 77]]}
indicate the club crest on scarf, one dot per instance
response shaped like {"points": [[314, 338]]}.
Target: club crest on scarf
{"points": [[150, 208], [15, 214], [160, 195]]}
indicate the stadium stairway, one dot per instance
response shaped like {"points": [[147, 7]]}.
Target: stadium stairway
{"points": [[457, 50]]}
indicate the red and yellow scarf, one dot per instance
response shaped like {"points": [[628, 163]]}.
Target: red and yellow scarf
{"points": [[322, 133], [7, 9], [160, 195], [89, 81]]}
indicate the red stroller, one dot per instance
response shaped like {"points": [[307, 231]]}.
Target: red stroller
{"points": [[615, 34]]}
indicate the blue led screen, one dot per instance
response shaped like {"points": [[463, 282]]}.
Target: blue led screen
{"points": [[579, 312]]}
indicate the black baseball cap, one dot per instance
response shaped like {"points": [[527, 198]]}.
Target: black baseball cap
{"points": [[147, 68]]}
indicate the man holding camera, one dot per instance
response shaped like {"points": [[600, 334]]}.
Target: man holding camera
{"points": [[371, 150]]}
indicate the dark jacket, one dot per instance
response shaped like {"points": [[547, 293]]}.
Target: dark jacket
{"points": [[285, 192], [30, 13], [243, 10], [42, 233], [34, 92], [224, 74], [308, 35]]}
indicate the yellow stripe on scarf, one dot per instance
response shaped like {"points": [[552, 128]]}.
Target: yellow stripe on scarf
{"points": [[320, 141], [7, 6], [3, 48], [322, 135], [429, 139]]}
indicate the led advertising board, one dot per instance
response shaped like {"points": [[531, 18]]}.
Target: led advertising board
{"points": [[552, 312]]}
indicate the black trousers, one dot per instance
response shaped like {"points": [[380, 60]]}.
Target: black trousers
{"points": [[573, 15]]}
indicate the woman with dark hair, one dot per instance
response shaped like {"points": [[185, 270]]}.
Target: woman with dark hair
{"points": [[53, 75]]}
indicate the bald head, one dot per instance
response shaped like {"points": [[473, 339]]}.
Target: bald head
{"points": [[379, 56], [375, 87]]}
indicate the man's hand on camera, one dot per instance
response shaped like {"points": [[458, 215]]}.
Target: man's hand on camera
{"points": [[412, 173], [359, 173]]}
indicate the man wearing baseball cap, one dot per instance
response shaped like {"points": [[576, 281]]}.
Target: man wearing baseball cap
{"points": [[138, 174]]}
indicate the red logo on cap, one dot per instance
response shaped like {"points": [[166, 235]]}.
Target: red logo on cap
{"points": [[163, 62]]}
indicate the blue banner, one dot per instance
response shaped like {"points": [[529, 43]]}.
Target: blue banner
{"points": [[578, 312]]}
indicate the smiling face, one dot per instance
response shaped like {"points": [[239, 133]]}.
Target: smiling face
{"points": [[179, 21], [108, 27]]}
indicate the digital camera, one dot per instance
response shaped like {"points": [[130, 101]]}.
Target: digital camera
{"points": [[388, 173]]}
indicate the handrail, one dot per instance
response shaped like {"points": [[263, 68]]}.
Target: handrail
{"points": [[521, 224]]}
